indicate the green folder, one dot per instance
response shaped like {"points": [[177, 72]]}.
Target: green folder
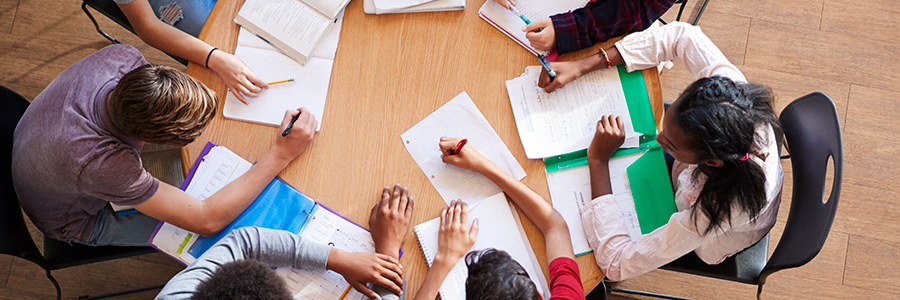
{"points": [[648, 176]]}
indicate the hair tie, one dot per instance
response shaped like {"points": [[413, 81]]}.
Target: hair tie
{"points": [[746, 157]]}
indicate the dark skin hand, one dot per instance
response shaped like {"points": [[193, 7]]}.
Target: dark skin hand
{"points": [[389, 220], [609, 136], [568, 71]]}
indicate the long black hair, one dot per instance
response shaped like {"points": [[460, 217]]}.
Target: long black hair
{"points": [[720, 117]]}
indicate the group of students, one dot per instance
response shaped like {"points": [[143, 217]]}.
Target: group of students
{"points": [[77, 148]]}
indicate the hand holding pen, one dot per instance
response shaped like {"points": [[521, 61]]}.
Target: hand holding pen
{"points": [[297, 131], [456, 152]]}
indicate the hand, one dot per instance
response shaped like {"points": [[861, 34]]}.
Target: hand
{"points": [[541, 34], [236, 75], [360, 268], [609, 136], [389, 220], [468, 158], [506, 3], [566, 71], [290, 146], [454, 237]]}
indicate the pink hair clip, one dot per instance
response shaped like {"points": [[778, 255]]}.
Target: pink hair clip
{"points": [[746, 157]]}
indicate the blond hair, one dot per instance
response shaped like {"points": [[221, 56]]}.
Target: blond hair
{"points": [[161, 105]]}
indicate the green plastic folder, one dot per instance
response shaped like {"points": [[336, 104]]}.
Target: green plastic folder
{"points": [[648, 176]]}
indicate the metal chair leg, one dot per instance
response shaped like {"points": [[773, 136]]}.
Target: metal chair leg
{"points": [[111, 39], [138, 290], [55, 284], [680, 9], [700, 13]]}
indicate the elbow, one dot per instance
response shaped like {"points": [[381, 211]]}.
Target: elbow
{"points": [[208, 228]]}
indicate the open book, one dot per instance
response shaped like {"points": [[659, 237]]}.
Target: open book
{"points": [[294, 27], [499, 228], [534, 10], [369, 6]]}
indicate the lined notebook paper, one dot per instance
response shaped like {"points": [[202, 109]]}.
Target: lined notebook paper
{"points": [[309, 89], [510, 24], [459, 118], [499, 227]]}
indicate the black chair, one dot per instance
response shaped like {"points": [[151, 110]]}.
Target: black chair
{"points": [[681, 10], [14, 236], [813, 135], [195, 13]]}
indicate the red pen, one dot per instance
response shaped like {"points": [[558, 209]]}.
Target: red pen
{"points": [[459, 147]]}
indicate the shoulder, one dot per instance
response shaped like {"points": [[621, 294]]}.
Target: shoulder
{"points": [[114, 173]]}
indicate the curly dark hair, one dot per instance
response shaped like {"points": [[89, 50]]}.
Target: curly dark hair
{"points": [[720, 117], [247, 279], [494, 275]]}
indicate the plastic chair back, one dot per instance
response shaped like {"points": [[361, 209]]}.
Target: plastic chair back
{"points": [[813, 135]]}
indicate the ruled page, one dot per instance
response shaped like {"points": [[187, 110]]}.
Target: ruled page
{"points": [[459, 118]]}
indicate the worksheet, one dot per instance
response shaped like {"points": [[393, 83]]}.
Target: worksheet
{"points": [[459, 118], [570, 190], [565, 120]]}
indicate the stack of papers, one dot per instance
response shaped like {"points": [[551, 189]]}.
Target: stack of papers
{"points": [[565, 120]]}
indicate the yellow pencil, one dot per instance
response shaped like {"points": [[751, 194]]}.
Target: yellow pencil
{"points": [[344, 294], [280, 81]]}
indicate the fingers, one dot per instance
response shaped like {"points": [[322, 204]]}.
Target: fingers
{"points": [[404, 200], [256, 81], [621, 125], [286, 121], [239, 96], [453, 213], [395, 197], [534, 27], [552, 85], [473, 232], [448, 144], [409, 208], [362, 288], [444, 219]]}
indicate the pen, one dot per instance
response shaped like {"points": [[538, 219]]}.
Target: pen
{"points": [[459, 147], [281, 81], [546, 65], [290, 125], [521, 16]]}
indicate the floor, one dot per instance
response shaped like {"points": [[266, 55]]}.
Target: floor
{"points": [[845, 49]]}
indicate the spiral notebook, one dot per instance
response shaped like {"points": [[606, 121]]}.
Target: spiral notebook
{"points": [[511, 25], [499, 227]]}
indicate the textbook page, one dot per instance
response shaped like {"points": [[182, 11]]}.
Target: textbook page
{"points": [[510, 24], [387, 6], [309, 88], [459, 118], [290, 25], [565, 120], [570, 190], [499, 228], [328, 227]]}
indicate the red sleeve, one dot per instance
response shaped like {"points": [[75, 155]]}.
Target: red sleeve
{"points": [[565, 280]]}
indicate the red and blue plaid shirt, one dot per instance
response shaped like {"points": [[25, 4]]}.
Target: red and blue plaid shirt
{"points": [[601, 20]]}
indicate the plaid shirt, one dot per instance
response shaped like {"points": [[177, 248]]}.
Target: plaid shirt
{"points": [[601, 20]]}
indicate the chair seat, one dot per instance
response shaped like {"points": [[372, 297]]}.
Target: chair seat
{"points": [[61, 255], [744, 266]]}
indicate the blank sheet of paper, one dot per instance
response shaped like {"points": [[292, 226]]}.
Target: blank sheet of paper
{"points": [[459, 118], [565, 120], [309, 89]]}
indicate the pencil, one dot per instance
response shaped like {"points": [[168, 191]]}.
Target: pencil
{"points": [[344, 294], [281, 81]]}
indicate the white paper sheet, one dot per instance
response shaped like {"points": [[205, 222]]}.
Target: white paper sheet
{"points": [[570, 190], [387, 6], [510, 24], [309, 89], [459, 118], [498, 227], [565, 120]]}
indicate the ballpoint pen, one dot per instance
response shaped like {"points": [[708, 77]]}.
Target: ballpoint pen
{"points": [[541, 58], [291, 125]]}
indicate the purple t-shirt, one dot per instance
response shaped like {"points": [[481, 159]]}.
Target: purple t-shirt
{"points": [[68, 158]]}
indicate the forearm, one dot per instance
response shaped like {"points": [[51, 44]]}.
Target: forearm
{"points": [[598, 61], [600, 184], [435, 277], [536, 208], [163, 36]]}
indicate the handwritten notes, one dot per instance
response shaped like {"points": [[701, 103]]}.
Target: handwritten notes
{"points": [[565, 120], [459, 118]]}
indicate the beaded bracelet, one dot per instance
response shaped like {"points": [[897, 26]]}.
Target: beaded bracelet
{"points": [[606, 57], [208, 55]]}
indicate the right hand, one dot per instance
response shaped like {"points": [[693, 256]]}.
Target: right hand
{"points": [[468, 158], [541, 34], [566, 71], [506, 3], [359, 268], [292, 145], [455, 238], [609, 136]]}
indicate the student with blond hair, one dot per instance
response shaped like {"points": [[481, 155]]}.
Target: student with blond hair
{"points": [[76, 150]]}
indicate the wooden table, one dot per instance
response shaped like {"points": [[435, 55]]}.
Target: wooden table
{"points": [[390, 72]]}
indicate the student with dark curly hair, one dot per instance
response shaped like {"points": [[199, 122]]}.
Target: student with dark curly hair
{"points": [[240, 265], [493, 274], [724, 137]]}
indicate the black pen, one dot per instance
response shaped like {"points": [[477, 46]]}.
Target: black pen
{"points": [[291, 125]]}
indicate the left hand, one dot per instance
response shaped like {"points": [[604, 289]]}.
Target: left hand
{"points": [[541, 34], [389, 220], [609, 136], [468, 158], [236, 75], [566, 71], [359, 268]]}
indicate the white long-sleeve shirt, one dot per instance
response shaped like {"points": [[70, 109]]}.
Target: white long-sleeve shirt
{"points": [[620, 257]]}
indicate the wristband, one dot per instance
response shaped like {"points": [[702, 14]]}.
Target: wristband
{"points": [[214, 49], [606, 57]]}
